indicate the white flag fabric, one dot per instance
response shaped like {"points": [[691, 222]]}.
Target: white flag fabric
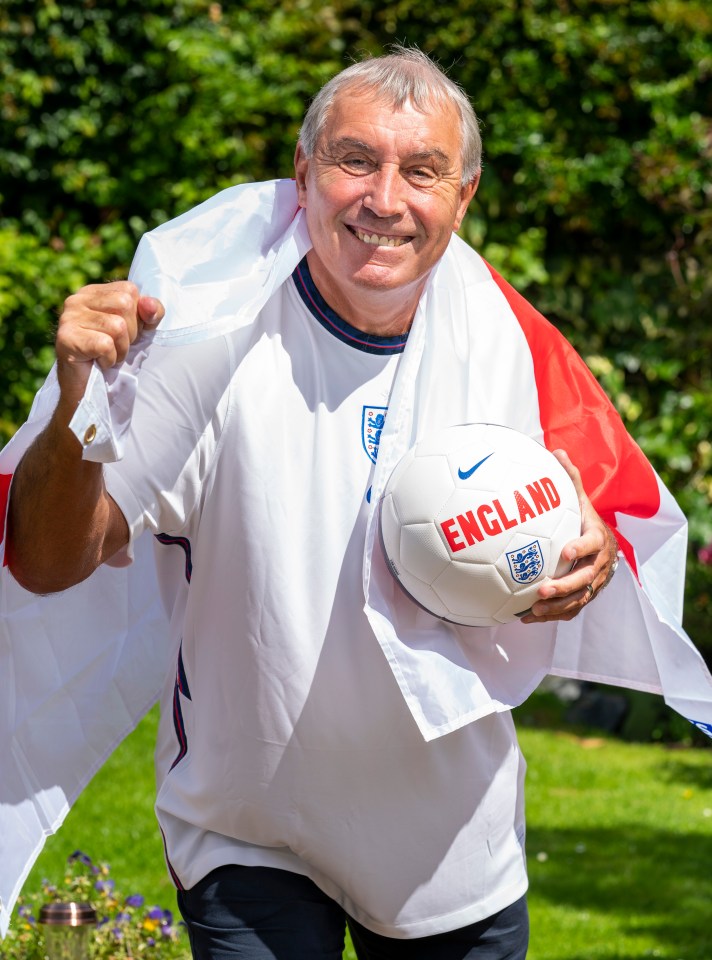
{"points": [[79, 669]]}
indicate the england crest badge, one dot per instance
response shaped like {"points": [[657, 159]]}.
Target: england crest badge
{"points": [[373, 420], [526, 563]]}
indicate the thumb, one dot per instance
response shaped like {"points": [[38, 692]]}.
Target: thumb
{"points": [[565, 461], [150, 310]]}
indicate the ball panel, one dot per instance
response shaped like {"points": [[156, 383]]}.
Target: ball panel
{"points": [[440, 442], [518, 604], [390, 532], [400, 469], [421, 489], [423, 594], [422, 551], [462, 592]]}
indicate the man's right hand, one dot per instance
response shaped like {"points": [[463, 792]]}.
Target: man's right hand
{"points": [[100, 322], [61, 522]]}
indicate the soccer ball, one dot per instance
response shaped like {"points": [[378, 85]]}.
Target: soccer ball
{"points": [[473, 521]]}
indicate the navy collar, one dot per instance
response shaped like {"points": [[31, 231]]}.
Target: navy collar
{"points": [[331, 321]]}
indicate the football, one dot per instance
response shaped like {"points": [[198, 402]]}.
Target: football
{"points": [[473, 521]]}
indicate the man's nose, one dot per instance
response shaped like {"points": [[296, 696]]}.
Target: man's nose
{"points": [[384, 192]]}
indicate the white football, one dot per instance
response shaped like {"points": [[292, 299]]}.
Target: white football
{"points": [[473, 520]]}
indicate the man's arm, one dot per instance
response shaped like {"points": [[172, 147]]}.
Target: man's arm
{"points": [[62, 524]]}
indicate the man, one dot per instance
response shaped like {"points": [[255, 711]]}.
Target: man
{"points": [[295, 792]]}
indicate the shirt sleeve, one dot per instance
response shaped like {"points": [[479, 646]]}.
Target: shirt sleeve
{"points": [[181, 404]]}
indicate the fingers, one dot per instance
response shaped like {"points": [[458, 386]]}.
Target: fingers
{"points": [[150, 310], [99, 323], [594, 558], [564, 598]]}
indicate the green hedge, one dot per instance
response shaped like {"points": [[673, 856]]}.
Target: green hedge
{"points": [[595, 199]]}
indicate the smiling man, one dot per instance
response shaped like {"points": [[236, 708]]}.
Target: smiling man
{"points": [[384, 190], [296, 792]]}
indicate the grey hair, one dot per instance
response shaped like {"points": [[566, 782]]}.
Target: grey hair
{"points": [[407, 75]]}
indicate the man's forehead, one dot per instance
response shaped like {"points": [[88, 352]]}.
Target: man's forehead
{"points": [[428, 131]]}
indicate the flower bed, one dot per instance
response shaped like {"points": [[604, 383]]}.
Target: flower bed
{"points": [[127, 928]]}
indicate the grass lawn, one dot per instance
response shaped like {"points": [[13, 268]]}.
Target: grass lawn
{"points": [[619, 848], [619, 843]]}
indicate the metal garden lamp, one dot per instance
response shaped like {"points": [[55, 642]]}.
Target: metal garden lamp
{"points": [[67, 929]]}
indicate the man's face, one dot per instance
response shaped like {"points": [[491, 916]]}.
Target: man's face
{"points": [[382, 195]]}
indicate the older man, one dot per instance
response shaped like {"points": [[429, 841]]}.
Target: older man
{"points": [[295, 792]]}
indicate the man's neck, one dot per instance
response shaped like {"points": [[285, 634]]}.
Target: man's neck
{"points": [[384, 312]]}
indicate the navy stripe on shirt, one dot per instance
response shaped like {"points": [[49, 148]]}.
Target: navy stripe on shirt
{"points": [[331, 321]]}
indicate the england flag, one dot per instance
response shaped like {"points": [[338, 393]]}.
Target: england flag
{"points": [[79, 669]]}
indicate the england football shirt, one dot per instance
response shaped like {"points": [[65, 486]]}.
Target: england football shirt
{"points": [[284, 740]]}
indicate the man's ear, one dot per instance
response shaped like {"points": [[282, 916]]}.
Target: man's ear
{"points": [[301, 167], [467, 192]]}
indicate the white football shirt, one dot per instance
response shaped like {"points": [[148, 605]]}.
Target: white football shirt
{"points": [[284, 740]]}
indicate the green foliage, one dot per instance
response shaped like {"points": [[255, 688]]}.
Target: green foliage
{"points": [[595, 198], [617, 847]]}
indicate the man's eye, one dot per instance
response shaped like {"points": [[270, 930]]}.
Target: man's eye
{"points": [[356, 165], [422, 174]]}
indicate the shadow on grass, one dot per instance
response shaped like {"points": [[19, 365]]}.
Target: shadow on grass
{"points": [[651, 881], [678, 770]]}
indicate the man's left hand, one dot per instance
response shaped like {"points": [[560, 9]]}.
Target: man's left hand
{"points": [[594, 559]]}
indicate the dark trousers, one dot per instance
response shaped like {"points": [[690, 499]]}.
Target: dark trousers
{"points": [[258, 913]]}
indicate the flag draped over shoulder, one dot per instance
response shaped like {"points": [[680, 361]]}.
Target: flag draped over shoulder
{"points": [[478, 351], [79, 669]]}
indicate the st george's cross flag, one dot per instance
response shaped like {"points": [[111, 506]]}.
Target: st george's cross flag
{"points": [[79, 669]]}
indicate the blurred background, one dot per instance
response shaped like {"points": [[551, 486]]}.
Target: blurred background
{"points": [[596, 198]]}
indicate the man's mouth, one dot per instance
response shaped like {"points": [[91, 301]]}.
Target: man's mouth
{"points": [[376, 240]]}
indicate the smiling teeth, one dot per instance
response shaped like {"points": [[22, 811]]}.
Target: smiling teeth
{"points": [[377, 241]]}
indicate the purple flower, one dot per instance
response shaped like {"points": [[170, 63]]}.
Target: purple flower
{"points": [[117, 933], [135, 900], [167, 931], [81, 857], [123, 917], [151, 942], [104, 886], [704, 555], [157, 913]]}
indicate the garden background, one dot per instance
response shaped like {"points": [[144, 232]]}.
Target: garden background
{"points": [[595, 201]]}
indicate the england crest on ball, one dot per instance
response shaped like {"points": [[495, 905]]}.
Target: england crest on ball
{"points": [[526, 564]]}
